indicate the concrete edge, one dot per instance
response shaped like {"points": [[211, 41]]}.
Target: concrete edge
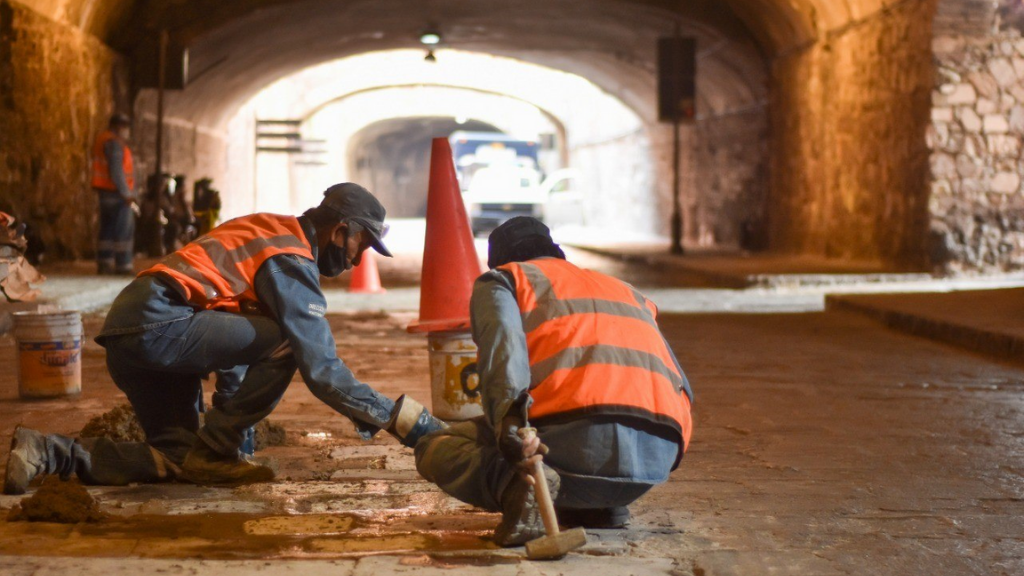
{"points": [[993, 344], [767, 281], [731, 281]]}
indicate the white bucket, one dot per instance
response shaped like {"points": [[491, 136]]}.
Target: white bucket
{"points": [[454, 383], [49, 353]]}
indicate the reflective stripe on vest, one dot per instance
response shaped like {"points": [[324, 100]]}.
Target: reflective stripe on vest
{"points": [[218, 270], [101, 170], [595, 348]]}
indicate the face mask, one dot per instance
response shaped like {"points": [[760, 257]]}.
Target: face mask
{"points": [[333, 260]]}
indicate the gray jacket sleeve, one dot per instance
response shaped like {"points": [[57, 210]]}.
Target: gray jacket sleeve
{"points": [[114, 152], [503, 360], [289, 286]]}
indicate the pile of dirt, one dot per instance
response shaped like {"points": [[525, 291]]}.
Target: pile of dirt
{"points": [[121, 425], [57, 501], [118, 424], [267, 434]]}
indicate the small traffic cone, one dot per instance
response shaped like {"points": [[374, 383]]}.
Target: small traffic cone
{"points": [[366, 277], [450, 263]]}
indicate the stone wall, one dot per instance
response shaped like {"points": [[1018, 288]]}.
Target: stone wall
{"points": [[975, 138], [848, 159], [725, 199], [58, 87], [190, 149]]}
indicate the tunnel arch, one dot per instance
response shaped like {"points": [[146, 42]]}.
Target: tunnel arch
{"points": [[391, 158], [765, 68]]}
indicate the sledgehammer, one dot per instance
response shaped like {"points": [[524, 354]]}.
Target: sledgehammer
{"points": [[556, 544]]}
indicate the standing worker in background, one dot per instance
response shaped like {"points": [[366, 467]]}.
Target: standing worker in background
{"points": [[578, 355], [113, 178]]}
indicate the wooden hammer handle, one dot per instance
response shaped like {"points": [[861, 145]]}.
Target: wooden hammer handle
{"points": [[540, 489], [543, 496]]}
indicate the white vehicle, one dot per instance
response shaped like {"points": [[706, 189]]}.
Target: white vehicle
{"points": [[500, 192]]}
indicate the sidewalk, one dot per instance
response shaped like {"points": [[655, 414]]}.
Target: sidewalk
{"points": [[742, 270], [990, 322]]}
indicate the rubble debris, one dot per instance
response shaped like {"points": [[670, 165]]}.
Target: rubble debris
{"points": [[267, 434], [119, 424], [16, 275], [64, 502]]}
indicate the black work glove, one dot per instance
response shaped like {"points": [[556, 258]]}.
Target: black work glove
{"points": [[509, 443]]}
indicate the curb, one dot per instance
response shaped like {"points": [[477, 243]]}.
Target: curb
{"points": [[994, 344], [767, 281]]}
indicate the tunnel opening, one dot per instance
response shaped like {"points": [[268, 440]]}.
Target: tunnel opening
{"points": [[392, 157], [582, 128]]}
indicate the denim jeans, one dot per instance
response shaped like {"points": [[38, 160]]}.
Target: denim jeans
{"points": [[117, 232], [464, 461], [160, 370]]}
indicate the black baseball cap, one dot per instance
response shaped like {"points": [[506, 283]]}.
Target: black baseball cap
{"points": [[511, 232], [120, 119], [355, 203]]}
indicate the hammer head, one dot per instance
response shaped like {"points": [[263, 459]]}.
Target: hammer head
{"points": [[556, 546]]}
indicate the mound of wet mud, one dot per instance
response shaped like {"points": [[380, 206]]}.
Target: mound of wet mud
{"points": [[267, 434], [65, 502], [119, 424]]}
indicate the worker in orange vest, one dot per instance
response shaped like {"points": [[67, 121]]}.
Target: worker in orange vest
{"points": [[113, 178], [579, 356], [243, 301]]}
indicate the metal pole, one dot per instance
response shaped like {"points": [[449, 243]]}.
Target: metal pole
{"points": [[677, 215], [154, 238], [677, 211], [161, 75]]}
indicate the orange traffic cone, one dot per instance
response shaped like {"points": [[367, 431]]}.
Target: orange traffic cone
{"points": [[366, 277], [450, 263]]}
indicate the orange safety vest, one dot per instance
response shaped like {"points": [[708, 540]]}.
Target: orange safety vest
{"points": [[595, 348], [101, 171], [217, 271]]}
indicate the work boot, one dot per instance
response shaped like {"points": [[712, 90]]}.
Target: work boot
{"points": [[410, 421], [29, 458], [520, 513], [204, 465], [601, 518]]}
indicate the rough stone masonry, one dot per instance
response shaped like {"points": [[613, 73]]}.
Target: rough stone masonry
{"points": [[977, 126]]}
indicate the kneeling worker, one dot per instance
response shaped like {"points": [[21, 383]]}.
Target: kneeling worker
{"points": [[243, 301], [579, 356]]}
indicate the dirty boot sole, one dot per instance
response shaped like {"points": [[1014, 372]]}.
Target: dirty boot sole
{"points": [[521, 519], [18, 472]]}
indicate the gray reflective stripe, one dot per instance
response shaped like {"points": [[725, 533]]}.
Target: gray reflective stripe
{"points": [[603, 354], [225, 260], [178, 264], [549, 307], [559, 308]]}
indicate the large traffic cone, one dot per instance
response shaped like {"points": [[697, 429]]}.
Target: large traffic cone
{"points": [[365, 277], [450, 263]]}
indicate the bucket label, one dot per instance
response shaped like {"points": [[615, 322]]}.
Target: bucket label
{"points": [[51, 368]]}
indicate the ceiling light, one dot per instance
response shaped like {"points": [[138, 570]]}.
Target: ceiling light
{"points": [[430, 38]]}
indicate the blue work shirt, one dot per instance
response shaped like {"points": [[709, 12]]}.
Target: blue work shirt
{"points": [[604, 449], [288, 288]]}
